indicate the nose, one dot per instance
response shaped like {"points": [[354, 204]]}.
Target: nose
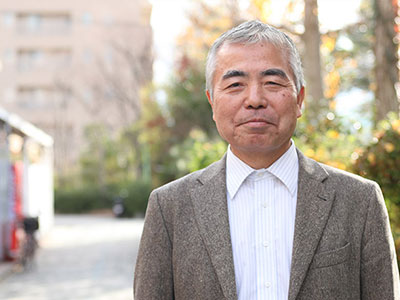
{"points": [[255, 98]]}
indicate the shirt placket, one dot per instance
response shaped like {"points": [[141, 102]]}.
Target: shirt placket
{"points": [[265, 236]]}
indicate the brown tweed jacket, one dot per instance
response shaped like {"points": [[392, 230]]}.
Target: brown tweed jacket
{"points": [[342, 248]]}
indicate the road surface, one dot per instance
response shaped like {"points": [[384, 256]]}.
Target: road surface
{"points": [[84, 257]]}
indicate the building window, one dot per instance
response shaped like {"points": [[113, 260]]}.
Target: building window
{"points": [[43, 59], [34, 97], [8, 56], [8, 19], [87, 18], [32, 22], [29, 59], [43, 23]]}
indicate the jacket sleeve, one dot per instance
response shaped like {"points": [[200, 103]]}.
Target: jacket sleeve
{"points": [[153, 272], [379, 270]]}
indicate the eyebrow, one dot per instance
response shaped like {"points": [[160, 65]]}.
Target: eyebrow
{"points": [[234, 73], [274, 72], [268, 72]]}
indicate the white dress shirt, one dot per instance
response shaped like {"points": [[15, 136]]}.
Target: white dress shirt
{"points": [[262, 207]]}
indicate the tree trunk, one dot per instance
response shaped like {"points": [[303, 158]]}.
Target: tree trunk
{"points": [[386, 71], [315, 102]]}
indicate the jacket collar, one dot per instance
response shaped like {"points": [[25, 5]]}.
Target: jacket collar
{"points": [[211, 213], [314, 202]]}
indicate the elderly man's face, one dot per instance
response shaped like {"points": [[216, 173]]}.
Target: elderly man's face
{"points": [[255, 103]]}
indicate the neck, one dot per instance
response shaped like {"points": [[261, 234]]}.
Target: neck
{"points": [[260, 159]]}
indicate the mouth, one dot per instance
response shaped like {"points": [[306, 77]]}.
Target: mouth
{"points": [[257, 122]]}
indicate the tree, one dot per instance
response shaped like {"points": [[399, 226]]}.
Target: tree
{"points": [[311, 38], [386, 71], [101, 85], [187, 104], [108, 158], [110, 90]]}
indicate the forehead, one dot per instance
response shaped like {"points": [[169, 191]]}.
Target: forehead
{"points": [[262, 55]]}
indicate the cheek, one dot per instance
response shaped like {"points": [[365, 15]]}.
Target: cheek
{"points": [[224, 112], [222, 118], [288, 113], [288, 95], [288, 102]]}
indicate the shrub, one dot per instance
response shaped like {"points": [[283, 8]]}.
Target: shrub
{"points": [[80, 200], [380, 161], [329, 142], [137, 195], [197, 152], [89, 198]]}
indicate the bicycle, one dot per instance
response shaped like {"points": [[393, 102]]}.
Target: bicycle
{"points": [[28, 243]]}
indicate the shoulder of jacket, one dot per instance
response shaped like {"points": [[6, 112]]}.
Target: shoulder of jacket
{"points": [[192, 179]]}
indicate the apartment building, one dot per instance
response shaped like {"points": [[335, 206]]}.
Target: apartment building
{"points": [[65, 64]]}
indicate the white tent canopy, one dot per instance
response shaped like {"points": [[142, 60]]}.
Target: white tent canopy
{"points": [[25, 128]]}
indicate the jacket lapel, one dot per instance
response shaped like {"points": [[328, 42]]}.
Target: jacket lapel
{"points": [[314, 202], [211, 213]]}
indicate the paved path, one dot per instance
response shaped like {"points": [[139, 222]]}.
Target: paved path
{"points": [[84, 257]]}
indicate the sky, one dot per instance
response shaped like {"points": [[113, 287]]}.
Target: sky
{"points": [[168, 20]]}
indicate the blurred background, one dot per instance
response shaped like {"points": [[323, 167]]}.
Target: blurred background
{"points": [[102, 101]]}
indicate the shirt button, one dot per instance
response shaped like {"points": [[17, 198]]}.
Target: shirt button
{"points": [[267, 284], [265, 205], [265, 244], [260, 174]]}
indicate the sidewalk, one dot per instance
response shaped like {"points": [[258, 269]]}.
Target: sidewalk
{"points": [[84, 257], [6, 269]]}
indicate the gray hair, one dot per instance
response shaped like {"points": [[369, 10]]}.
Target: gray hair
{"points": [[253, 32]]}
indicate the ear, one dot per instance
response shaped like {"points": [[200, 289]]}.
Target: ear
{"points": [[211, 102], [209, 98], [300, 99]]}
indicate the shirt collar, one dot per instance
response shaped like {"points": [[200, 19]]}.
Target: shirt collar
{"points": [[285, 169], [236, 172]]}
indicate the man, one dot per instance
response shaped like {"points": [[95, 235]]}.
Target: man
{"points": [[264, 222]]}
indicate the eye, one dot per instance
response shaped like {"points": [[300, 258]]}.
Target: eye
{"points": [[235, 84], [272, 83]]}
